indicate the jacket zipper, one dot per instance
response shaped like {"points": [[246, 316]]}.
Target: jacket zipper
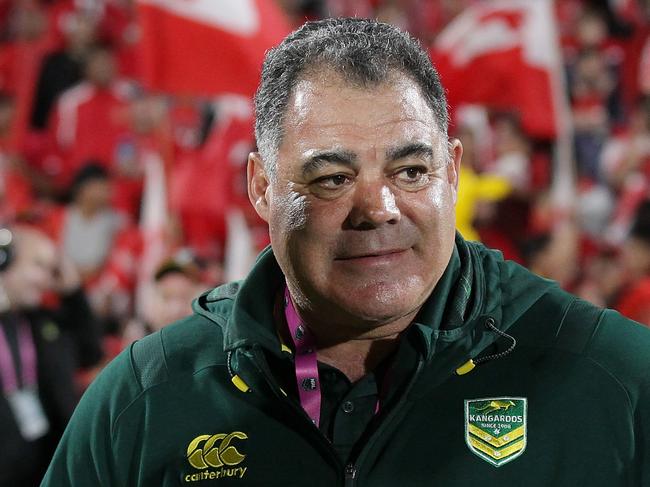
{"points": [[316, 433], [350, 475], [352, 469]]}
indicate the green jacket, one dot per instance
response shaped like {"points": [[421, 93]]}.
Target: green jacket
{"points": [[198, 403]]}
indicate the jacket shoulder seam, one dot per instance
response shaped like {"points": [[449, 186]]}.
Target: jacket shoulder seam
{"points": [[601, 316], [579, 324], [144, 392], [564, 315], [584, 345], [123, 411], [614, 377], [595, 363]]}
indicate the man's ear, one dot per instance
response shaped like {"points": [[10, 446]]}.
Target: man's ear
{"points": [[453, 168], [258, 185]]}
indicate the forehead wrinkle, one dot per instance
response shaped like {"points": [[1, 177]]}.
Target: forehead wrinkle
{"points": [[336, 136], [308, 94], [319, 125]]}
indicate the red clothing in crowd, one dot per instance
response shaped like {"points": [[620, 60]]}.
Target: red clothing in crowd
{"points": [[635, 301], [87, 124], [204, 187], [19, 66]]}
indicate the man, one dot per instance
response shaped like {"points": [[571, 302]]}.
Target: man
{"points": [[90, 116], [88, 224], [63, 68], [40, 350], [175, 285], [346, 356]]}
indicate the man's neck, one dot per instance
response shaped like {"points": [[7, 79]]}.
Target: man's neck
{"points": [[353, 352]]}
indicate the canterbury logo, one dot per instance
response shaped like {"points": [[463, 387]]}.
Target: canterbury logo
{"points": [[215, 450]]}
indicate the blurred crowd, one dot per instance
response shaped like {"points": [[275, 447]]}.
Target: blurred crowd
{"points": [[118, 205]]}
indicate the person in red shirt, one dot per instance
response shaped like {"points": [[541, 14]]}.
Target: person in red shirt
{"points": [[63, 67], [90, 117]]}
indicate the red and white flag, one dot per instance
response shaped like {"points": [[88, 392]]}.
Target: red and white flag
{"points": [[504, 54], [207, 47], [153, 223]]}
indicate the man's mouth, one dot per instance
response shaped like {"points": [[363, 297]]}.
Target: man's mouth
{"points": [[374, 255]]}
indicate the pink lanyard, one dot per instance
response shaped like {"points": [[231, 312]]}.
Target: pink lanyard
{"points": [[306, 363], [27, 353]]}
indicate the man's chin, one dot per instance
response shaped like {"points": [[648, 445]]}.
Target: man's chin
{"points": [[374, 309]]}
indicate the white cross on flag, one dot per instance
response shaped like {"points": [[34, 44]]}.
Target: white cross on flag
{"points": [[207, 47], [504, 54]]}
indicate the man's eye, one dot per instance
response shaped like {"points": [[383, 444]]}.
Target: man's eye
{"points": [[333, 182], [412, 175]]}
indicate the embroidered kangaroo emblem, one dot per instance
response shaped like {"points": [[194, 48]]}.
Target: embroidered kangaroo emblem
{"points": [[495, 406]]}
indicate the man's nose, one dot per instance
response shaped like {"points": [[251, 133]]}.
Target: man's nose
{"points": [[374, 205]]}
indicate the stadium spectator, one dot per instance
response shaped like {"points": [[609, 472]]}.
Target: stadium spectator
{"points": [[477, 193], [147, 135], [176, 283], [591, 85], [90, 116], [40, 349], [627, 154], [63, 68], [625, 166], [512, 153], [89, 225], [554, 254]]}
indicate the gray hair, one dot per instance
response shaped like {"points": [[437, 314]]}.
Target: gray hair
{"points": [[365, 52]]}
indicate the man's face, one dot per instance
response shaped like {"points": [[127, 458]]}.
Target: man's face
{"points": [[31, 273], [100, 69], [94, 195], [174, 295], [361, 211]]}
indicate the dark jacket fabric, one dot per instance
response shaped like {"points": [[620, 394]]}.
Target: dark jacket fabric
{"points": [[64, 340], [200, 403]]}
